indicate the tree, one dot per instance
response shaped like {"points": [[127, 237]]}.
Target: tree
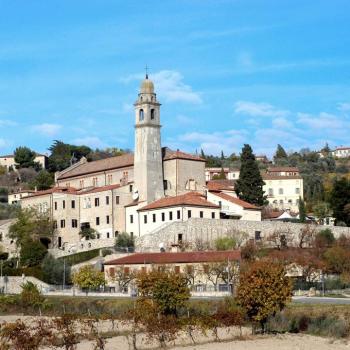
{"points": [[24, 157], [123, 277], [32, 252], [322, 210], [280, 154], [221, 176], [302, 210], [339, 198], [337, 259], [249, 186], [30, 224], [88, 233], [264, 290], [168, 291], [225, 243], [43, 181], [27, 175], [222, 155], [54, 270], [30, 295], [124, 242], [87, 277]]}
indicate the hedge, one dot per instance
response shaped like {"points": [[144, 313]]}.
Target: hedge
{"points": [[81, 257]]}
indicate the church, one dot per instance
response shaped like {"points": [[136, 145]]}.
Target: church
{"points": [[136, 193]]}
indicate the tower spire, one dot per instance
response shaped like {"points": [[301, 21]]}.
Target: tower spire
{"points": [[146, 69]]}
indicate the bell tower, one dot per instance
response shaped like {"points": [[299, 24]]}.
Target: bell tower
{"points": [[148, 169]]}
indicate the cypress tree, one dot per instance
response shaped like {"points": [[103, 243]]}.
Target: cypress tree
{"points": [[340, 199], [280, 153], [249, 186], [302, 210]]}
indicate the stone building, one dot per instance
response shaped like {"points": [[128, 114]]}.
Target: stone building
{"points": [[8, 161]]}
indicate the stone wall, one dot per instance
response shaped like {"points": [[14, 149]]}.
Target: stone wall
{"points": [[12, 284], [208, 230]]}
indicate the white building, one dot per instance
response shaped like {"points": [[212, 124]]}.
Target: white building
{"points": [[230, 173], [341, 152], [8, 161]]}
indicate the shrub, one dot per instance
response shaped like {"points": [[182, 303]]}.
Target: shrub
{"points": [[32, 253], [225, 243], [53, 269], [107, 252], [30, 295], [81, 257], [124, 242]]}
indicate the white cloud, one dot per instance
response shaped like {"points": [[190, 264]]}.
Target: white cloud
{"points": [[322, 121], [91, 141], [3, 143], [184, 120], [7, 122], [47, 129], [259, 109], [344, 107], [281, 123], [170, 86]]}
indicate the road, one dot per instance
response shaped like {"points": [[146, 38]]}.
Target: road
{"points": [[321, 300]]}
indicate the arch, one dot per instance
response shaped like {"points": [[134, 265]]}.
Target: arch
{"points": [[152, 113], [141, 115]]}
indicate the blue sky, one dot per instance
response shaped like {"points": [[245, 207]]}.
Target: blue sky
{"points": [[226, 72]]}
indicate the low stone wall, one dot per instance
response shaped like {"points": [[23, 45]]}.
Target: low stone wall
{"points": [[13, 284], [208, 230], [83, 246]]}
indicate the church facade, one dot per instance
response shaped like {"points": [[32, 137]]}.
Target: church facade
{"points": [[135, 193]]}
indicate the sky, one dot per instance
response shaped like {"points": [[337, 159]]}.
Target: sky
{"points": [[227, 72]]}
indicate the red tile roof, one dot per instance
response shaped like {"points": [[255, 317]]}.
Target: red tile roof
{"points": [[176, 258], [169, 154], [98, 189], [280, 177], [218, 185], [283, 169], [122, 161], [237, 201], [189, 199], [69, 190]]}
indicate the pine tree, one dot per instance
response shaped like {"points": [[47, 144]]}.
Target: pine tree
{"points": [[202, 154], [280, 153], [302, 210], [249, 186], [340, 199], [222, 155]]}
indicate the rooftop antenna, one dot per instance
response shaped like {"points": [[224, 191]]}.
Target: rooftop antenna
{"points": [[146, 69]]}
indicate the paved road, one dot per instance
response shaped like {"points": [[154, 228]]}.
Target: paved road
{"points": [[321, 300]]}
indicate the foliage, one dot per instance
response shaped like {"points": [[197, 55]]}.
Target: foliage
{"points": [[225, 243], [322, 210], [8, 211], [66, 327], [98, 154], [80, 257], [337, 259], [32, 252], [30, 224], [63, 155], [324, 238], [302, 210], [124, 240], [87, 277], [280, 154], [53, 270], [26, 175], [339, 198], [264, 290], [168, 291], [30, 295], [24, 157], [249, 186], [221, 176], [43, 181], [88, 233], [123, 277]]}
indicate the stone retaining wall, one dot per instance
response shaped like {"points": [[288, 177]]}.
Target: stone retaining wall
{"points": [[14, 283], [208, 230]]}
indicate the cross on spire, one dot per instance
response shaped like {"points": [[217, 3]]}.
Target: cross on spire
{"points": [[146, 69]]}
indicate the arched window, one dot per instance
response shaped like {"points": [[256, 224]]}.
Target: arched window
{"points": [[141, 115], [152, 113]]}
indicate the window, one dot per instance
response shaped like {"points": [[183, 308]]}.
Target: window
{"points": [[280, 191], [107, 200], [170, 215], [163, 216], [74, 223], [131, 219], [55, 224], [107, 219], [281, 201], [270, 191], [297, 190], [165, 184], [179, 238], [95, 182], [109, 179], [213, 214], [117, 200], [59, 242], [97, 202], [130, 188], [145, 219], [206, 268], [112, 272], [131, 235], [189, 213], [179, 214], [154, 217], [63, 223], [107, 235], [55, 205], [73, 204], [64, 204], [152, 114], [257, 235], [141, 115], [290, 201], [97, 221], [81, 183], [201, 214]]}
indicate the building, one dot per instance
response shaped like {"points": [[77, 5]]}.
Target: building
{"points": [[205, 270], [230, 173], [15, 197], [8, 161], [7, 244], [137, 193], [283, 187], [341, 152]]}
